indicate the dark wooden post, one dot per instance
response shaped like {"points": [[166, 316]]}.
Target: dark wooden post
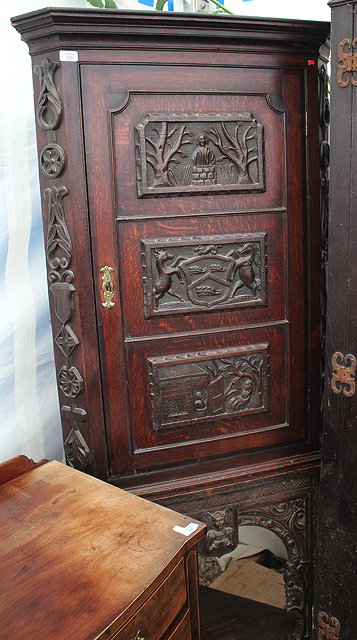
{"points": [[335, 612]]}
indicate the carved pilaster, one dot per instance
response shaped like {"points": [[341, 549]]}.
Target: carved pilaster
{"points": [[59, 255]]}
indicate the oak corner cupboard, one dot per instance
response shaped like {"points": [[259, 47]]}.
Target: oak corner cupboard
{"points": [[183, 168]]}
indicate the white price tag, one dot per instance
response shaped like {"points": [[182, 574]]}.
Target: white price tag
{"points": [[68, 56], [186, 531]]}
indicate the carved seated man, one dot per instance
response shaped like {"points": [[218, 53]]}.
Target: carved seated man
{"points": [[204, 162]]}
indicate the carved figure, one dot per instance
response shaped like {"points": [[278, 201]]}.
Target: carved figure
{"points": [[239, 393], [164, 283], [244, 266], [204, 163], [200, 404], [203, 155], [220, 537]]}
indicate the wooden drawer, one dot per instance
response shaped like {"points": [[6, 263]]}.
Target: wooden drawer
{"points": [[157, 613], [182, 631]]}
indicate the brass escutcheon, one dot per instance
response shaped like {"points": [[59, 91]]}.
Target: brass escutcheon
{"points": [[343, 375], [107, 287]]}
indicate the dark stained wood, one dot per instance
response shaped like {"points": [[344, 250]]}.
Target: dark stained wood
{"points": [[272, 409], [15, 467], [203, 372], [82, 559], [228, 617], [335, 610]]}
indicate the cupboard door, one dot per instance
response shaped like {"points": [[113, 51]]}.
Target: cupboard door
{"points": [[196, 212]]}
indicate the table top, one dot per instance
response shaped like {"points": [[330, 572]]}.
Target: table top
{"points": [[77, 552]]}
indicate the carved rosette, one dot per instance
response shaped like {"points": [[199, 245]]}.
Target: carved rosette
{"points": [[187, 153], [288, 521], [52, 160], [59, 254]]}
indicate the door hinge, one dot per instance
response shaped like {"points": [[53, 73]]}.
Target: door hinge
{"points": [[343, 373]]}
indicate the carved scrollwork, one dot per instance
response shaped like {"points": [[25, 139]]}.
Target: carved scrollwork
{"points": [[193, 274], [52, 160], [66, 340], [195, 387], [287, 520], [59, 243], [343, 373], [328, 627], [180, 153], [324, 116], [49, 107], [347, 62]]}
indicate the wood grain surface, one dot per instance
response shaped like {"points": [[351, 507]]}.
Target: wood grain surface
{"points": [[77, 553]]}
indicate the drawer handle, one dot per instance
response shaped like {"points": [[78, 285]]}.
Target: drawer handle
{"points": [[138, 636], [108, 289]]}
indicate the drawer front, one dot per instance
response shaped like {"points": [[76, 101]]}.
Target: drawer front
{"points": [[182, 631], [157, 613]]}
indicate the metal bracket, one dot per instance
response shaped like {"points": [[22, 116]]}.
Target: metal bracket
{"points": [[343, 375], [347, 62], [329, 628]]}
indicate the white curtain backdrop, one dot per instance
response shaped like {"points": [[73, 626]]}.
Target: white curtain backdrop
{"points": [[29, 413]]}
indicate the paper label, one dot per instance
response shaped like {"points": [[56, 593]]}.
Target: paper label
{"points": [[186, 531], [68, 56]]}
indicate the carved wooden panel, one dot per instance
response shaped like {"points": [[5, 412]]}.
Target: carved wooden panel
{"points": [[202, 386], [222, 531], [203, 273], [180, 153]]}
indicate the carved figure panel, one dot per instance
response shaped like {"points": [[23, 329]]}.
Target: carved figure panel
{"points": [[222, 531], [204, 273], [195, 387], [180, 153]]}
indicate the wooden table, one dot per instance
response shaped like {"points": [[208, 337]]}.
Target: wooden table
{"points": [[81, 559]]}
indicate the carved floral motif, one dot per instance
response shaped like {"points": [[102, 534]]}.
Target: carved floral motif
{"points": [[287, 520], [70, 381], [181, 153], [52, 160], [77, 450], [49, 107]]}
